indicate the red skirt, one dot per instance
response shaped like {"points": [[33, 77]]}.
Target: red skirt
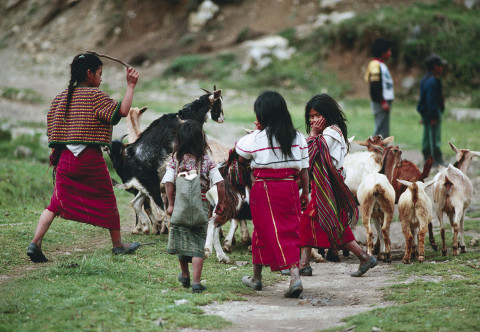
{"points": [[276, 212], [313, 235], [83, 189]]}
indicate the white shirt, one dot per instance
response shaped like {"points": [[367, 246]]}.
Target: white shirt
{"points": [[255, 146]]}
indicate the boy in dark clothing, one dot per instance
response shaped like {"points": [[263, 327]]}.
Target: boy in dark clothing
{"points": [[431, 106]]}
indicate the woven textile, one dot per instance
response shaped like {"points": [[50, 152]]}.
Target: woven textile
{"points": [[188, 241], [276, 212], [89, 120], [331, 195], [83, 189]]}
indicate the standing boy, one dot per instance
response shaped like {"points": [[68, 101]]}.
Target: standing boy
{"points": [[431, 106], [381, 86]]}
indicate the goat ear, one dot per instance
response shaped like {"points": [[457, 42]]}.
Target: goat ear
{"points": [[388, 140], [143, 109], [405, 182], [217, 93]]}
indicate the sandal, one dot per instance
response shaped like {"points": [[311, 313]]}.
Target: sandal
{"points": [[198, 288], [35, 253], [306, 271], [294, 290], [126, 250], [184, 281], [248, 281], [371, 263]]}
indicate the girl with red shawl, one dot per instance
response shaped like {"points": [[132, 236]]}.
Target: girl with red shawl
{"points": [[279, 156], [325, 222], [79, 122]]}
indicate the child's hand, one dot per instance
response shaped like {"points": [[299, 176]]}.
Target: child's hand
{"points": [[170, 210], [317, 126], [132, 76], [304, 200], [220, 207]]}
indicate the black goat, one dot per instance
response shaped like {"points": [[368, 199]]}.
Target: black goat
{"points": [[141, 164]]}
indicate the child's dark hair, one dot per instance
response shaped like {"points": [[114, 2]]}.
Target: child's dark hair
{"points": [[330, 110], [78, 70], [190, 139], [380, 46], [272, 113]]}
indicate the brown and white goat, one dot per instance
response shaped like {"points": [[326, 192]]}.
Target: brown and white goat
{"points": [[377, 201], [415, 214], [452, 194]]}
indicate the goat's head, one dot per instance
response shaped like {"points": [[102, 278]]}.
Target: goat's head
{"points": [[373, 141], [116, 153], [204, 107], [463, 157], [216, 99]]}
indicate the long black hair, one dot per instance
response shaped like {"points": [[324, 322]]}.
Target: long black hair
{"points": [[190, 139], [330, 110], [78, 71], [272, 113]]}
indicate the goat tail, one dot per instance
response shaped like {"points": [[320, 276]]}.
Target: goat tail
{"points": [[378, 190], [414, 191]]}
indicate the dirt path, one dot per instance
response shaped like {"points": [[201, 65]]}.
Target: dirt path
{"points": [[329, 296]]}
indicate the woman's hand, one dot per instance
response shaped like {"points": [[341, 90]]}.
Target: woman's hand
{"points": [[304, 200], [220, 207], [132, 76], [317, 126]]}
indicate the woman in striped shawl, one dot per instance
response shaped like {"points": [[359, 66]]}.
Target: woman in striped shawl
{"points": [[332, 209]]}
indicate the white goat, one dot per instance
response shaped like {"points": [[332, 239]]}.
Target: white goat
{"points": [[377, 201], [452, 194], [415, 214]]}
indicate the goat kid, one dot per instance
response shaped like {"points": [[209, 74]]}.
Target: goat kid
{"points": [[415, 214], [377, 200], [141, 164], [452, 194]]}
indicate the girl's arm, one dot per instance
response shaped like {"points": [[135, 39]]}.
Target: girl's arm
{"points": [[132, 78], [221, 197], [170, 190], [304, 185]]}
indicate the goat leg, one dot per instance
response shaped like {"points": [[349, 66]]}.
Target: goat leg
{"points": [[433, 244]]}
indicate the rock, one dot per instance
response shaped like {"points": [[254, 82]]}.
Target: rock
{"points": [[465, 114], [259, 53], [22, 152], [206, 11], [474, 242]]}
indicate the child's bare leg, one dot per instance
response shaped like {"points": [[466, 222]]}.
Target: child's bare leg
{"points": [[305, 257], [257, 272], [197, 263], [184, 268]]}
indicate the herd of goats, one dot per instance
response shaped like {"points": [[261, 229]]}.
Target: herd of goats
{"points": [[378, 177]]}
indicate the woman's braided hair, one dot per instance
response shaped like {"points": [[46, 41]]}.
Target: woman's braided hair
{"points": [[78, 69]]}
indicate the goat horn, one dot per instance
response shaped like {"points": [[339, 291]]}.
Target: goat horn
{"points": [[208, 92], [110, 57], [123, 137]]}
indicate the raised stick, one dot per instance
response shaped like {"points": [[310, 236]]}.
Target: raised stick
{"points": [[111, 58]]}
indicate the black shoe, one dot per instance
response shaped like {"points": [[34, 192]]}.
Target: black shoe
{"points": [[248, 281], [126, 250], [35, 253], [372, 262], [295, 290], [184, 281], [306, 271], [198, 288]]}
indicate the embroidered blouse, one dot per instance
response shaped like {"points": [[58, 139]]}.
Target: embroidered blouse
{"points": [[255, 146], [89, 120]]}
